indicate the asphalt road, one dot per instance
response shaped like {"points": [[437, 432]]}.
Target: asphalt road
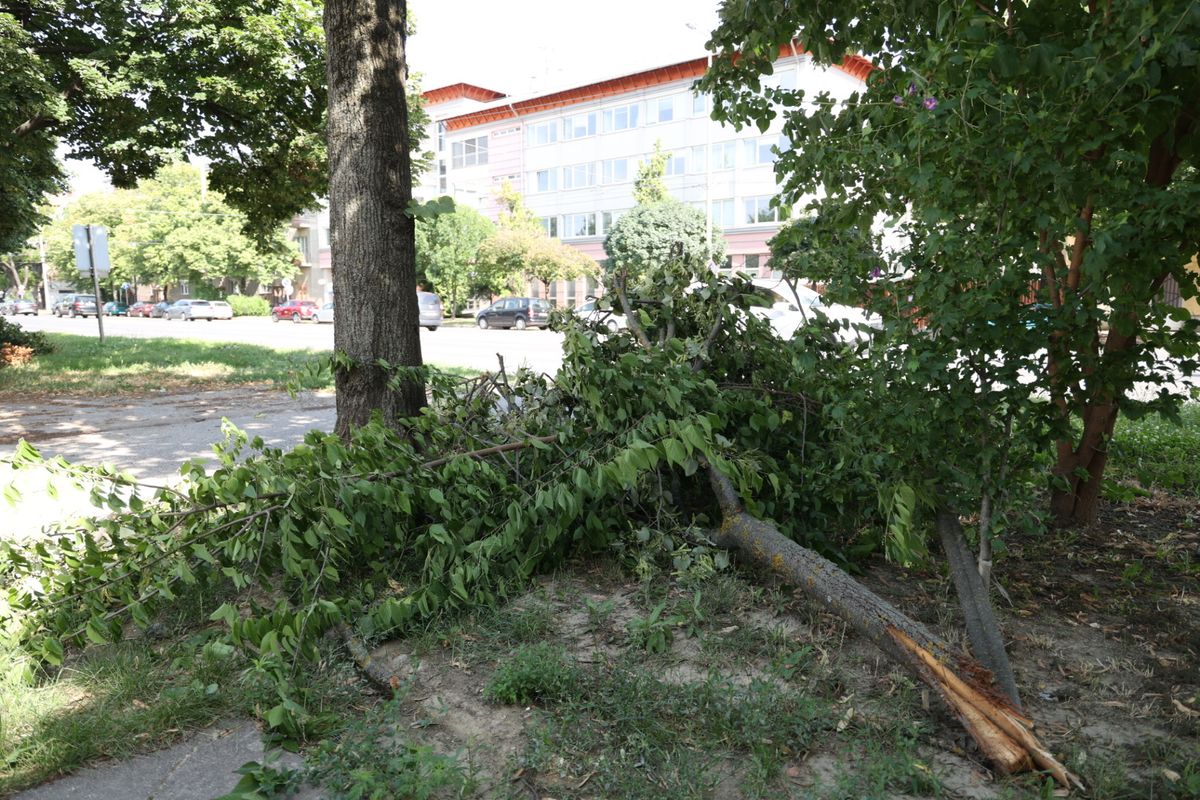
{"points": [[447, 346]]}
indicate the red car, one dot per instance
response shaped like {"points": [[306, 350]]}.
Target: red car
{"points": [[141, 309], [295, 310]]}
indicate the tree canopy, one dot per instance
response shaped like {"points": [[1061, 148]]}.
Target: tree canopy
{"points": [[448, 251], [168, 230], [128, 85], [28, 167], [1028, 153], [664, 242], [519, 249]]}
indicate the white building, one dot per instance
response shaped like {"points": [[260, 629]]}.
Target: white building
{"points": [[574, 153]]}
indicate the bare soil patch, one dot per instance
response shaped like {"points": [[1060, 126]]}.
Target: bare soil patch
{"points": [[1104, 628]]}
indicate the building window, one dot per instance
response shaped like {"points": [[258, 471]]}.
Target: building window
{"points": [[751, 265], [764, 149], [608, 219], [622, 118], [543, 133], [507, 131], [722, 213], [677, 163], [665, 109], [578, 126], [442, 183], [441, 136], [544, 180], [785, 80], [578, 176], [576, 226], [758, 210], [570, 294], [185, 288], [700, 105], [305, 245], [614, 170], [724, 155], [696, 164], [550, 226], [469, 152]]}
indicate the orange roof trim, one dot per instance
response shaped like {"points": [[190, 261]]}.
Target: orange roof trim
{"points": [[853, 65], [458, 91]]}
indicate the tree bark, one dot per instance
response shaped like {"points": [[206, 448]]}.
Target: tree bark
{"points": [[1002, 731], [20, 285], [987, 642], [372, 237]]}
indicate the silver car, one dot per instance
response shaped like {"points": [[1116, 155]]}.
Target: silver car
{"points": [[429, 307], [191, 310], [324, 313], [18, 305]]}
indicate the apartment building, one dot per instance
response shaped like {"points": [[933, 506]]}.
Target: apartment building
{"points": [[575, 153]]}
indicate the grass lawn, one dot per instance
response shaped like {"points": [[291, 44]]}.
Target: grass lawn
{"points": [[80, 365]]}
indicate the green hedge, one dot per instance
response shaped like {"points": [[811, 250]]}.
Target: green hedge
{"points": [[247, 306], [14, 334]]}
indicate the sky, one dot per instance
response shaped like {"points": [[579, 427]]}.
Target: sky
{"points": [[520, 47], [523, 47]]}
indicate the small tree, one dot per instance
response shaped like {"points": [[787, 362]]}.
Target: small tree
{"points": [[663, 243], [1031, 155], [549, 260], [448, 251], [649, 187]]}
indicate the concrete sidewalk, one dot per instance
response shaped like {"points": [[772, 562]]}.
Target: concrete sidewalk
{"points": [[201, 768], [149, 436]]}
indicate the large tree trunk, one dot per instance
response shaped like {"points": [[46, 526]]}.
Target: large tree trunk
{"points": [[1003, 733], [370, 185]]}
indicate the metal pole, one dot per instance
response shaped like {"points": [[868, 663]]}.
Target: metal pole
{"points": [[95, 285], [708, 159]]}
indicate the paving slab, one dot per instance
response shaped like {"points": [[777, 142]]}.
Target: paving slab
{"points": [[201, 768]]}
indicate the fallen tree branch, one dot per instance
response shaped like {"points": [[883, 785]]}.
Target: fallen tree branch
{"points": [[1002, 732]]}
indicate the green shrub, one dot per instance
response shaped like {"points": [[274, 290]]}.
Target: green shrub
{"points": [[1159, 452], [248, 306], [14, 335], [534, 672]]}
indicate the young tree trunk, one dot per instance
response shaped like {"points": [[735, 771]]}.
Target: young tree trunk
{"points": [[1002, 732], [10, 266], [370, 185], [987, 641]]}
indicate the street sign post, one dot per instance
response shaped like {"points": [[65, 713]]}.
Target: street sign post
{"points": [[91, 258]]}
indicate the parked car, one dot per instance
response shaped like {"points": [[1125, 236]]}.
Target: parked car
{"points": [[429, 309], [114, 309], [611, 319], [191, 310], [220, 309], [324, 313], [76, 305], [160, 310], [295, 310], [515, 312], [18, 305], [789, 310], [141, 309]]}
